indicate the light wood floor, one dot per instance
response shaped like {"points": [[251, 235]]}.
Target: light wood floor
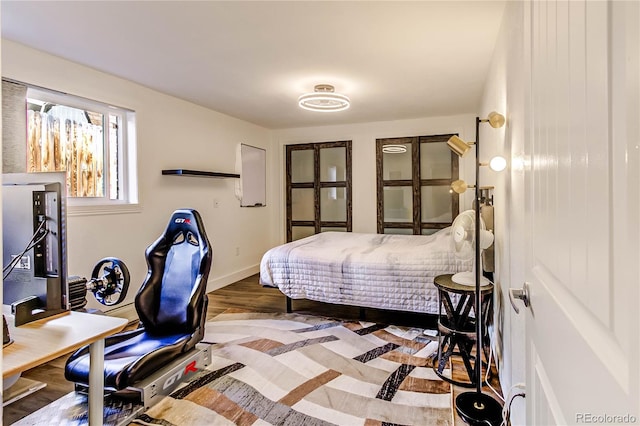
{"points": [[243, 294]]}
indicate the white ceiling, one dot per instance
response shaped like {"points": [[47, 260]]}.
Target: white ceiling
{"points": [[251, 60]]}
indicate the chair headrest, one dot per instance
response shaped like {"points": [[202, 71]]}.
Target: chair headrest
{"points": [[186, 223]]}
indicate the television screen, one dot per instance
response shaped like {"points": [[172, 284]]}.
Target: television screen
{"points": [[34, 256]]}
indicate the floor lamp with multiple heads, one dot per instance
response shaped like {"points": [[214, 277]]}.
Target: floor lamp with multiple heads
{"points": [[475, 407]]}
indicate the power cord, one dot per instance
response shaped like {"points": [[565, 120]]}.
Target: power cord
{"points": [[506, 410], [486, 376], [35, 240]]}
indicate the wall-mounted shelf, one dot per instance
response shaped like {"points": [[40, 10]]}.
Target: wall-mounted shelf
{"points": [[199, 173]]}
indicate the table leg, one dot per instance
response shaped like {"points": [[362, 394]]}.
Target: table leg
{"points": [[466, 346], [96, 383]]}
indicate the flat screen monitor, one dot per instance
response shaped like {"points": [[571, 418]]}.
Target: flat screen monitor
{"points": [[34, 249]]}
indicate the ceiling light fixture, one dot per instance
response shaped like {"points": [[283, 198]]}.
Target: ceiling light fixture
{"points": [[324, 99], [394, 149]]}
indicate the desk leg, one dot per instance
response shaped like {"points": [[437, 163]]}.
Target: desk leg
{"points": [[96, 383]]}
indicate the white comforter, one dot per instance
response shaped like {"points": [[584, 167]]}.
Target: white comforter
{"points": [[371, 270]]}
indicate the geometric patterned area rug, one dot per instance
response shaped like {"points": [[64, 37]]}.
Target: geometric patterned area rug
{"points": [[293, 369]]}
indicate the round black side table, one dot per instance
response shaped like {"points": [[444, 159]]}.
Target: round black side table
{"points": [[457, 327]]}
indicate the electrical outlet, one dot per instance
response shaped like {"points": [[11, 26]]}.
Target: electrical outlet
{"points": [[237, 251], [216, 203]]}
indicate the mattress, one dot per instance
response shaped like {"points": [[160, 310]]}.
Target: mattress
{"points": [[382, 271]]}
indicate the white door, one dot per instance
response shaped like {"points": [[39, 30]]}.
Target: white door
{"points": [[582, 188]]}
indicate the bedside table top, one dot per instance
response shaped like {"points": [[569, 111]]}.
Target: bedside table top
{"points": [[444, 282]]}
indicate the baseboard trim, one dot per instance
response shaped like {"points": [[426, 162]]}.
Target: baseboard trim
{"points": [[232, 277], [128, 311]]}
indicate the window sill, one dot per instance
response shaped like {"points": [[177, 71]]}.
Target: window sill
{"points": [[105, 209]]}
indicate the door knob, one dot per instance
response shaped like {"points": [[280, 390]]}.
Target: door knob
{"points": [[521, 294]]}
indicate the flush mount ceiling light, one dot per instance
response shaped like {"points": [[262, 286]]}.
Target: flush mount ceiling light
{"points": [[324, 99], [394, 149]]}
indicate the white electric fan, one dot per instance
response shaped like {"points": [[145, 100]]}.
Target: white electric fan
{"points": [[463, 232]]}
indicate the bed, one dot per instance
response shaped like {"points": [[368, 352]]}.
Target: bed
{"points": [[392, 272]]}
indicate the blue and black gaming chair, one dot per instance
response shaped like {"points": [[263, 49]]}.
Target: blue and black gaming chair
{"points": [[171, 305]]}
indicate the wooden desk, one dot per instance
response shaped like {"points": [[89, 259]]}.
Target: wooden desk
{"points": [[41, 341]]}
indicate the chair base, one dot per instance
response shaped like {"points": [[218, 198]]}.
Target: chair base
{"points": [[149, 391], [72, 408], [122, 407]]}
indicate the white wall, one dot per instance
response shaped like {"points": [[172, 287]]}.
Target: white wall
{"points": [[363, 137], [171, 133], [1, 246], [504, 92]]}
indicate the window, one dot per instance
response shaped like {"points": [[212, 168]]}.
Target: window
{"points": [[89, 140]]}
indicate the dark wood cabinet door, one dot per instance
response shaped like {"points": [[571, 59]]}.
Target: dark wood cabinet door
{"points": [[318, 188], [414, 175]]}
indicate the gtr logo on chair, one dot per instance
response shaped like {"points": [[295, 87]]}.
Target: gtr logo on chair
{"points": [[191, 367], [183, 220]]}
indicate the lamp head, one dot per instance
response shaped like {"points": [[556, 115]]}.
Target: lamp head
{"points": [[498, 163], [496, 120], [458, 146], [460, 186]]}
